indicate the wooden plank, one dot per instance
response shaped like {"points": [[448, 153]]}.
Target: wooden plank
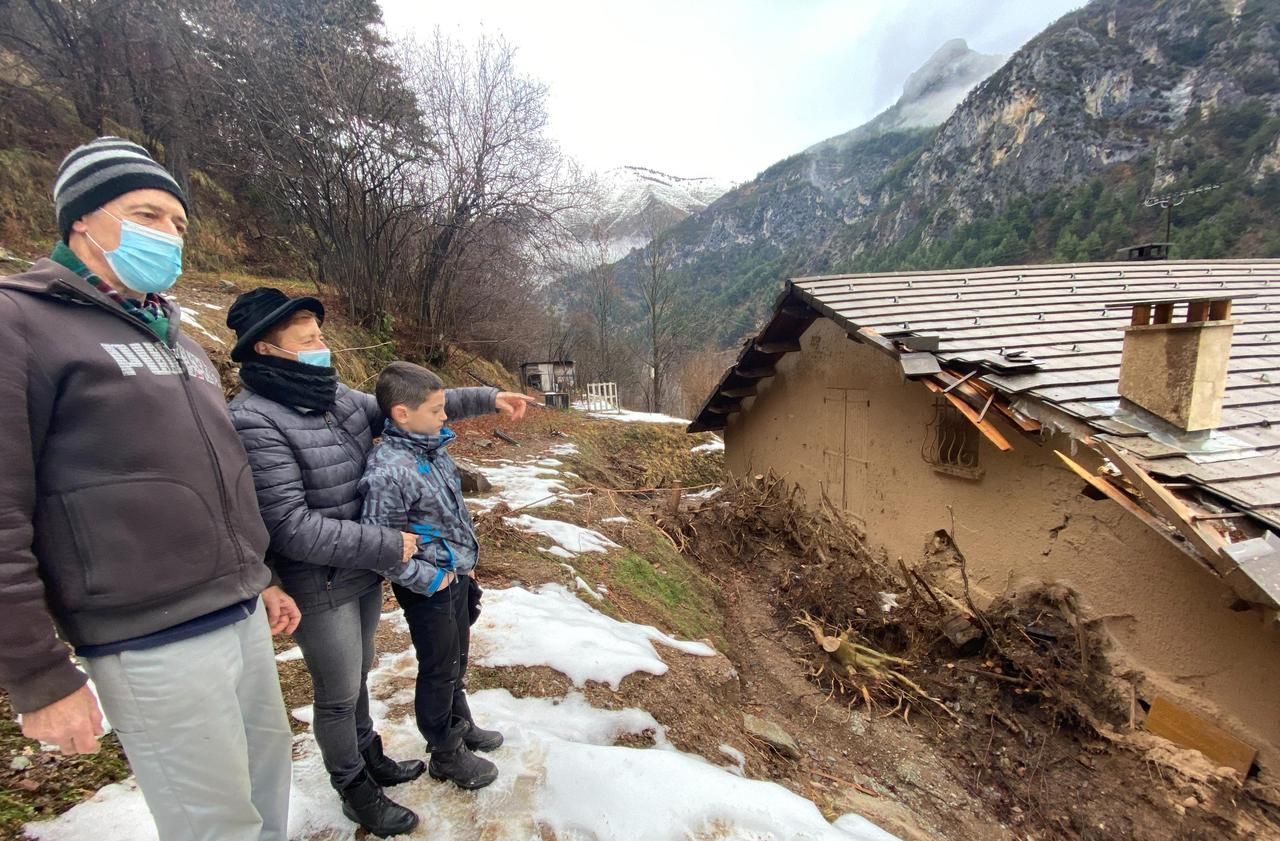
{"points": [[740, 391], [777, 347], [1208, 542], [755, 373], [1119, 497], [1183, 727], [986, 427], [1220, 310]]}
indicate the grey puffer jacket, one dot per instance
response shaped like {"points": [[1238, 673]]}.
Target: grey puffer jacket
{"points": [[306, 468]]}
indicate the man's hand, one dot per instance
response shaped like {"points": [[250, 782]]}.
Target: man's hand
{"points": [[410, 546], [73, 723], [514, 405], [282, 612]]}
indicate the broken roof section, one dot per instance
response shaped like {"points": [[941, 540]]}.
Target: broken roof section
{"points": [[1041, 346]]}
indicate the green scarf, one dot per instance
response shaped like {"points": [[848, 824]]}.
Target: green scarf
{"points": [[150, 311]]}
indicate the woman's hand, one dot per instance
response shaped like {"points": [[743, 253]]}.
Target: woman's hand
{"points": [[410, 546], [282, 612], [513, 405]]}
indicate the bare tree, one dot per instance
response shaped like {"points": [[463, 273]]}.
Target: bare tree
{"points": [[605, 301], [330, 134], [658, 288], [497, 168]]}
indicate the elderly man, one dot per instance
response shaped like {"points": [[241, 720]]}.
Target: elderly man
{"points": [[128, 520]]}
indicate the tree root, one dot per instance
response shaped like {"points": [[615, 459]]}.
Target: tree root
{"points": [[861, 668]]}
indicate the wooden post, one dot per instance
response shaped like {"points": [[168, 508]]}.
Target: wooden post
{"points": [[1141, 315], [1197, 311], [1219, 310], [673, 499], [1164, 314]]}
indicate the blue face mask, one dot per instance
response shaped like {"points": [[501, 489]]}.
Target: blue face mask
{"points": [[321, 358], [146, 260]]}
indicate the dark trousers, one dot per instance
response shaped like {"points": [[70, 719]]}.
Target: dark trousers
{"points": [[440, 626], [337, 645]]}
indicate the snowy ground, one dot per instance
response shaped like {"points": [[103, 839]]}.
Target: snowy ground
{"points": [[628, 416], [560, 766]]}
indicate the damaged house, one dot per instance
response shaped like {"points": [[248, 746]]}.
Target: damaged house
{"points": [[1112, 427]]}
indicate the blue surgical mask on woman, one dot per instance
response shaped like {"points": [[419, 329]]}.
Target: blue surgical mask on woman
{"points": [[321, 358], [146, 260]]}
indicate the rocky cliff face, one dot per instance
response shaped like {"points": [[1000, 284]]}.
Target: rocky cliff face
{"points": [[1116, 82]]}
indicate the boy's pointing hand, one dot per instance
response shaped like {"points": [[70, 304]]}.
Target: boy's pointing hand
{"points": [[513, 405]]}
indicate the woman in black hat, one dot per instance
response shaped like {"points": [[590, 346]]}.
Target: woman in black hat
{"points": [[307, 436]]}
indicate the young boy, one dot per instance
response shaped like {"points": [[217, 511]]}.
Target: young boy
{"points": [[410, 483]]}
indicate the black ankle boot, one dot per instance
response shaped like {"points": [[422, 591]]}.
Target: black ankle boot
{"points": [[388, 772], [462, 768], [365, 803], [454, 762], [477, 738]]}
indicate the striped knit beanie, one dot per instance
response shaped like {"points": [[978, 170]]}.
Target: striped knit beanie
{"points": [[95, 173]]}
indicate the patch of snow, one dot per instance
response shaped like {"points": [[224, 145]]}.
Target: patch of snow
{"points": [[716, 446], [888, 601], [859, 827], [704, 494], [520, 486], [564, 450], [586, 588], [572, 538], [116, 813], [557, 552], [305, 714], [289, 654], [188, 318], [738, 758], [218, 307], [698, 800], [571, 718], [573, 638], [616, 520], [627, 416], [549, 462]]}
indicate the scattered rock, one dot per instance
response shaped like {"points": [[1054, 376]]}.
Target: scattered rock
{"points": [[962, 632], [473, 482], [28, 785], [772, 735], [20, 763]]}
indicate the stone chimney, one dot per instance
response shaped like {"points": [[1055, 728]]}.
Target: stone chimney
{"points": [[1178, 369]]}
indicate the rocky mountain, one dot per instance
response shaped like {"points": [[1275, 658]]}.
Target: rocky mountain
{"points": [[1048, 158], [743, 240], [636, 202], [929, 96]]}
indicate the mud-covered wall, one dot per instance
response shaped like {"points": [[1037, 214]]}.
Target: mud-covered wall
{"points": [[839, 417]]}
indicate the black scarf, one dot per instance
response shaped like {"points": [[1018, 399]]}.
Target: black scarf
{"points": [[295, 384]]}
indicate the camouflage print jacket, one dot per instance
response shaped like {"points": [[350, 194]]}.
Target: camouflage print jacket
{"points": [[411, 483]]}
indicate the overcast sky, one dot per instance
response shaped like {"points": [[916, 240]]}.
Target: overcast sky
{"points": [[721, 88]]}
